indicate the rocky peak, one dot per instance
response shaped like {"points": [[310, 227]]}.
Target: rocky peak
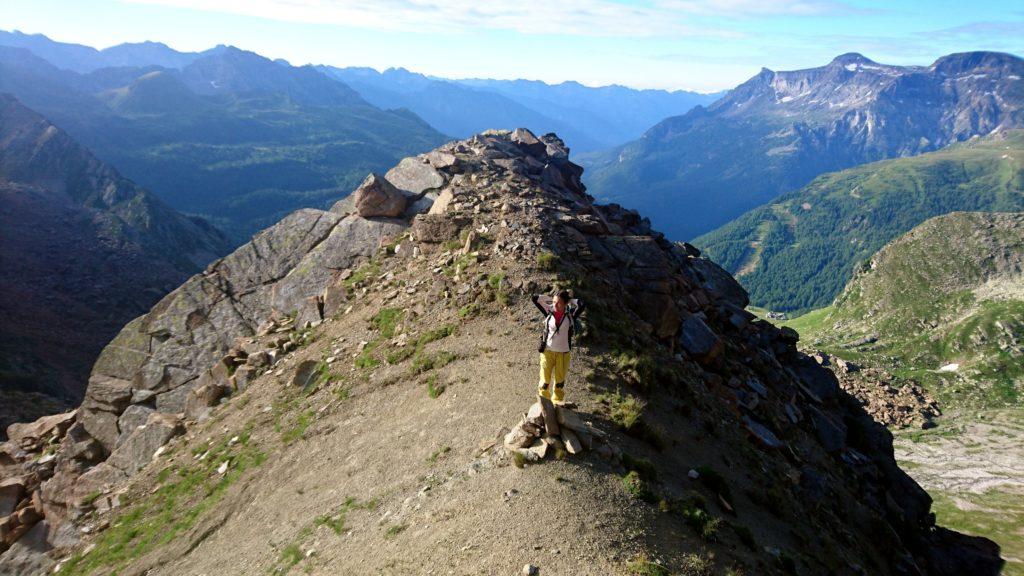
{"points": [[978, 62], [230, 70], [850, 58], [487, 222]]}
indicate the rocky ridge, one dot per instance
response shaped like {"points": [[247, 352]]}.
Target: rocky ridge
{"points": [[312, 340]]}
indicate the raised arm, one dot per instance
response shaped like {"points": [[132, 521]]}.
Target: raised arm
{"points": [[580, 305], [536, 302]]}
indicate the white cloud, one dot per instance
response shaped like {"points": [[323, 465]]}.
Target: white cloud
{"points": [[561, 17], [743, 8]]}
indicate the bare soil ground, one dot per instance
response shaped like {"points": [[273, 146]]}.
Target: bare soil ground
{"points": [[973, 466]]}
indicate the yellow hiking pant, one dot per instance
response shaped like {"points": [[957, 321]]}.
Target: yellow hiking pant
{"points": [[553, 365]]}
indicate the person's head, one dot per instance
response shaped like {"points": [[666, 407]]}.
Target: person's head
{"points": [[562, 300]]}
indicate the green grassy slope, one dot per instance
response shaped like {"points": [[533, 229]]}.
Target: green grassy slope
{"points": [[799, 251], [244, 164], [951, 291]]}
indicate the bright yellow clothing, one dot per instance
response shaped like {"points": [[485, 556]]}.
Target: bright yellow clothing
{"points": [[553, 365]]}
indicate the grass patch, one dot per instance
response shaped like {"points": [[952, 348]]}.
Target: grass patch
{"points": [[366, 360], [401, 355], [173, 509], [644, 567], [336, 520], [636, 369], [433, 388], [547, 261], [290, 556], [435, 334], [696, 565], [386, 321], [694, 513], [394, 530], [745, 536], [642, 466], [626, 411], [298, 428], [363, 274], [460, 264], [714, 481], [636, 487], [438, 453], [424, 362]]}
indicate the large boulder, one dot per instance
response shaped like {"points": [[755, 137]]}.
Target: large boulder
{"points": [[33, 435], [818, 382], [718, 283], [529, 143], [831, 431], [201, 401], [415, 176], [139, 448], [698, 340], [11, 492], [28, 554], [351, 239], [377, 197]]}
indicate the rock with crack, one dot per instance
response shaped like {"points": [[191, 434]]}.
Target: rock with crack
{"points": [[377, 197], [699, 341], [11, 492], [139, 448], [34, 435]]}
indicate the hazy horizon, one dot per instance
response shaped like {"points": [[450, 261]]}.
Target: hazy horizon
{"points": [[696, 45]]}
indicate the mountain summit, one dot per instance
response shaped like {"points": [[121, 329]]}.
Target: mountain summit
{"points": [[332, 398], [777, 131]]}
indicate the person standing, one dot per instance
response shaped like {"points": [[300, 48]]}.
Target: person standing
{"points": [[560, 315]]}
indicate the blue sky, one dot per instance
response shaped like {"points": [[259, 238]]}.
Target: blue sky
{"points": [[703, 45]]}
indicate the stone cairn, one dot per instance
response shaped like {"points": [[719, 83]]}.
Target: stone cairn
{"points": [[547, 428]]}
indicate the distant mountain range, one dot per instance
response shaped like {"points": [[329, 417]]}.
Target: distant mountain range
{"points": [[82, 251], [232, 136], [779, 130], [797, 252], [84, 59], [587, 118], [242, 140]]}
